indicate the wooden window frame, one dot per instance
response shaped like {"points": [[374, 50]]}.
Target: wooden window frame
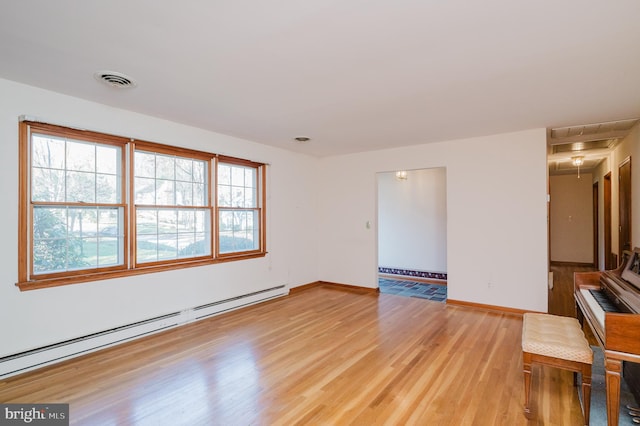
{"points": [[29, 281], [260, 208], [150, 147]]}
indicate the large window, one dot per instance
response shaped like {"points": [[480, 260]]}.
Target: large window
{"points": [[95, 206]]}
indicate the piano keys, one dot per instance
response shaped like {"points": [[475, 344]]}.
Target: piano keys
{"points": [[601, 298], [609, 302], [594, 305]]}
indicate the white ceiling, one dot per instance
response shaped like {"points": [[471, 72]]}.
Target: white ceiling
{"points": [[353, 75]]}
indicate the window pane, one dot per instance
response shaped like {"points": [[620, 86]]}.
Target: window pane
{"points": [[109, 253], [200, 246], [201, 221], [145, 164], [167, 222], [108, 159], [66, 239], [186, 245], [250, 177], [82, 222], [146, 222], [167, 247], [47, 185], [186, 221], [237, 186], [165, 167], [47, 152], [184, 169], [49, 239], [224, 174], [165, 194], [81, 156], [66, 171], [199, 195], [108, 189], [179, 233], [88, 256], [157, 234], [238, 231], [184, 194], [237, 176], [249, 198], [237, 196], [49, 255], [145, 190], [224, 196], [110, 237], [81, 187], [147, 248], [174, 181], [200, 171]]}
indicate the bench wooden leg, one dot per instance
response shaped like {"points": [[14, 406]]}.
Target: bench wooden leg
{"points": [[545, 341], [583, 369], [586, 392], [526, 362]]}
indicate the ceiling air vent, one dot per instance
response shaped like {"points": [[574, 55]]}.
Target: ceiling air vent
{"points": [[115, 79]]}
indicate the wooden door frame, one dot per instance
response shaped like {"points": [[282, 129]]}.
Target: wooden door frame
{"points": [[621, 211], [608, 258], [596, 254]]}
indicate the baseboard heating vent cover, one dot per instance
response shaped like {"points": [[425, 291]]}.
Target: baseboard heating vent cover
{"points": [[28, 360]]}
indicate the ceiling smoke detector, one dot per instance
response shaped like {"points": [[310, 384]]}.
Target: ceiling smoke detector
{"points": [[115, 79]]}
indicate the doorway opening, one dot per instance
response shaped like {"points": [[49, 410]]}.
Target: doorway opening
{"points": [[590, 220], [412, 233]]}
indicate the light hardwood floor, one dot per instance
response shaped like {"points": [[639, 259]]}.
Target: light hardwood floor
{"points": [[320, 356]]}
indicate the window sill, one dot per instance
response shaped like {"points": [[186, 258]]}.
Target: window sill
{"points": [[98, 276]]}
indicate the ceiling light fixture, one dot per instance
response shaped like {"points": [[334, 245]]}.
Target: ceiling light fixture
{"points": [[578, 161], [302, 139], [115, 79], [401, 175]]}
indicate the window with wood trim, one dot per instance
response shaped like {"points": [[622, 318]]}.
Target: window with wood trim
{"points": [[239, 207], [172, 205], [96, 206]]}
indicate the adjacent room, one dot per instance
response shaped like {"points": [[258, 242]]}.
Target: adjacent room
{"points": [[202, 203], [412, 233]]}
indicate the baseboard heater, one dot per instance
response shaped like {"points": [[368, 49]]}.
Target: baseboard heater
{"points": [[24, 361]]}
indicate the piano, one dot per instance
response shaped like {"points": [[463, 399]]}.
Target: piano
{"points": [[609, 302]]}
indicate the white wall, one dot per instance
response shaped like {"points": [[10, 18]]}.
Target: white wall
{"points": [[412, 220], [317, 214], [496, 216], [571, 218], [34, 318]]}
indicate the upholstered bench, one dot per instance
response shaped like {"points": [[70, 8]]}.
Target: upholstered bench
{"points": [[558, 342]]}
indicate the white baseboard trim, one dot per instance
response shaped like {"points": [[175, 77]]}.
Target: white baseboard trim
{"points": [[29, 360]]}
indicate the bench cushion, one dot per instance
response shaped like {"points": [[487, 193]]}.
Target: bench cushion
{"points": [[555, 336]]}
